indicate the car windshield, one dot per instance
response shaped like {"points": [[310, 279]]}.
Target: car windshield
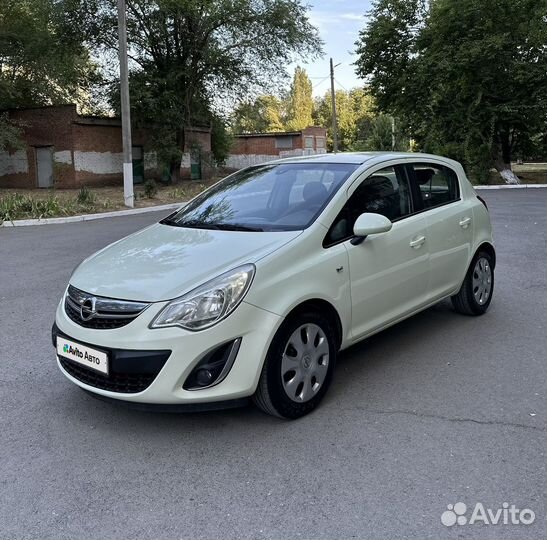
{"points": [[274, 197]]}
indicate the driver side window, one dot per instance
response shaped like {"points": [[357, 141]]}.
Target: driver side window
{"points": [[385, 192]]}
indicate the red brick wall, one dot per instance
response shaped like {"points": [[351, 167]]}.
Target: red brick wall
{"points": [[100, 138], [316, 131], [255, 145], [199, 137], [266, 144], [48, 126]]}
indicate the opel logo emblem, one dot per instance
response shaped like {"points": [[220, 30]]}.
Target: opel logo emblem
{"points": [[87, 309]]}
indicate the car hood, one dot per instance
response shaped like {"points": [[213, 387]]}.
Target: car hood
{"points": [[162, 262]]}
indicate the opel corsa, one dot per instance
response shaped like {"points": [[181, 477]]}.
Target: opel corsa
{"points": [[252, 288]]}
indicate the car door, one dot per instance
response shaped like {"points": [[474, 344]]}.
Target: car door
{"points": [[388, 271], [449, 225]]}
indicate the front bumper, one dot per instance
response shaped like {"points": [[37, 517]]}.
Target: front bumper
{"points": [[161, 359]]}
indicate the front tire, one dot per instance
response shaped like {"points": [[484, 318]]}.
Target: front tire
{"points": [[475, 294], [298, 368]]}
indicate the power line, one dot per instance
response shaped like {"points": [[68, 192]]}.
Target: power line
{"points": [[320, 82], [340, 84]]}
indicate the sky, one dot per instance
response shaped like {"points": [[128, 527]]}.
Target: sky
{"points": [[339, 22]]}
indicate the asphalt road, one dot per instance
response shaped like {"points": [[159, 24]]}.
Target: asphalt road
{"points": [[439, 409]]}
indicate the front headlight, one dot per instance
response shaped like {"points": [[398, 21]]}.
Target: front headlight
{"points": [[208, 304]]}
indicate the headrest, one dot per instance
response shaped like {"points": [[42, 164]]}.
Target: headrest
{"points": [[424, 176], [314, 192], [379, 186]]}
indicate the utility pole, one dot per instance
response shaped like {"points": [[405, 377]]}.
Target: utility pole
{"points": [[126, 119], [393, 133], [334, 121]]}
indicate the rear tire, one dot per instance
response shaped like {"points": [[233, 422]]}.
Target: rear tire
{"points": [[477, 289], [298, 368]]}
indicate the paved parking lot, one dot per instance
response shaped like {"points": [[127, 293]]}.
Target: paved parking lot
{"points": [[439, 409]]}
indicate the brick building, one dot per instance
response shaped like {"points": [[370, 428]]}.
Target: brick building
{"points": [[254, 148], [67, 150]]}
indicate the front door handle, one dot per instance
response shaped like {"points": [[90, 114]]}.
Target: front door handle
{"points": [[417, 242], [464, 223]]}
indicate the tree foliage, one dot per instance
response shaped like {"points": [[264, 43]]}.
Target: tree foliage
{"points": [[384, 135], [11, 135], [469, 78], [43, 56], [299, 102], [292, 111], [189, 55], [355, 110], [265, 114]]}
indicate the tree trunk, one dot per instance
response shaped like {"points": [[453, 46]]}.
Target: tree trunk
{"points": [[506, 172], [502, 161], [174, 166], [174, 169]]}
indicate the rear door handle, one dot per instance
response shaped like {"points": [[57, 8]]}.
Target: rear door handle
{"points": [[464, 223], [417, 242]]}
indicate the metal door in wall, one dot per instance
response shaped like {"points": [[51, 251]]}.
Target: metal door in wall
{"points": [[138, 164], [195, 164], [44, 166]]}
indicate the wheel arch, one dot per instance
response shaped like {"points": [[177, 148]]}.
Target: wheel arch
{"points": [[325, 308], [489, 248]]}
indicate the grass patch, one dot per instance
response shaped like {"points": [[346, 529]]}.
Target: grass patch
{"points": [[40, 203], [85, 196], [27, 206], [17, 206]]}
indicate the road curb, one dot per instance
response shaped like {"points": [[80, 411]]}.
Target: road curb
{"points": [[89, 217], [512, 186]]}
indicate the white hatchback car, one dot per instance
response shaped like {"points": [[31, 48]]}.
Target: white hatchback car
{"points": [[254, 286]]}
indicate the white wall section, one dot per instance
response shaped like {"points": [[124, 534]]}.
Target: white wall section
{"points": [[63, 156], [15, 163], [239, 161], [98, 162]]}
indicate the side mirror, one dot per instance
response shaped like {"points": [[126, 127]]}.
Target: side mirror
{"points": [[369, 223]]}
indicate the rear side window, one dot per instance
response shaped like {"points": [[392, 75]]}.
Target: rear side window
{"points": [[437, 184]]}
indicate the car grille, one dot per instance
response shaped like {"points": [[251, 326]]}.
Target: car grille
{"points": [[99, 312], [130, 371], [127, 383]]}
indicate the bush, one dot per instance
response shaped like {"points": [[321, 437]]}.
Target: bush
{"points": [[85, 196], [150, 189]]}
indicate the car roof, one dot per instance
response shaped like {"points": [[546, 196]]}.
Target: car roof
{"points": [[357, 158]]}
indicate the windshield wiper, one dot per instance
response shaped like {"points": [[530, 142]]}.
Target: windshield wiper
{"points": [[189, 224], [212, 226], [168, 220], [237, 227]]}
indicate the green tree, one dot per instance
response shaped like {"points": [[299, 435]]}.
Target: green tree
{"points": [[354, 112], [189, 55], [381, 136], [468, 78], [299, 102], [44, 59], [11, 135], [221, 140], [264, 114]]}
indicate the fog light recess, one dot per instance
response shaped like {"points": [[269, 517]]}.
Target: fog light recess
{"points": [[213, 367]]}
